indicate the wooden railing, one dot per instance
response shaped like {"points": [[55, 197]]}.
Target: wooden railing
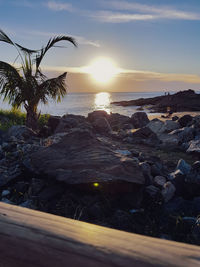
{"points": [[32, 238]]}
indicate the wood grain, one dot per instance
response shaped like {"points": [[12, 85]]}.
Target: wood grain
{"points": [[33, 238]]}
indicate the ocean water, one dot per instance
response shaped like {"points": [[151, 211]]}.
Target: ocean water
{"points": [[83, 103]]}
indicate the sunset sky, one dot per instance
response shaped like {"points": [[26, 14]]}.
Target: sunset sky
{"points": [[155, 44]]}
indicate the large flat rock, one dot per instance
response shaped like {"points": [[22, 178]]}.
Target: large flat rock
{"points": [[80, 157]]}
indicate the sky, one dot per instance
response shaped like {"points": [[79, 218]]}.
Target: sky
{"points": [[155, 43]]}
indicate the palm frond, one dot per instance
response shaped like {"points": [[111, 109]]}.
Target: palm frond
{"points": [[26, 50], [55, 88], [10, 81], [51, 43], [5, 38]]}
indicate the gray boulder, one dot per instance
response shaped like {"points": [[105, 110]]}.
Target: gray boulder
{"points": [[160, 127], [70, 121], [155, 125], [185, 134], [97, 114], [80, 158], [159, 180], [184, 120], [53, 122], [169, 126], [139, 119], [118, 121], [21, 132], [145, 136], [101, 125]]}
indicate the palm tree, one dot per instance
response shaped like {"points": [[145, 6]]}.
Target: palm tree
{"points": [[27, 85]]}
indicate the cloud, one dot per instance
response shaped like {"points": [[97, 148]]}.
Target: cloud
{"points": [[134, 75], [117, 17], [123, 11], [139, 75], [59, 6]]}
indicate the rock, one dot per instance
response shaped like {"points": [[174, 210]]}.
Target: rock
{"points": [[196, 166], [10, 174], [183, 166], [157, 168], [7, 201], [169, 140], [70, 121], [184, 207], [123, 152], [159, 180], [175, 118], [36, 186], [168, 191], [184, 134], [96, 115], [5, 193], [146, 169], [139, 119], [186, 100], [196, 232], [21, 132], [50, 192], [101, 125], [155, 125], [169, 126], [194, 146], [79, 158], [196, 121], [53, 122], [145, 136], [28, 204], [176, 174], [184, 120], [118, 121], [152, 190]]}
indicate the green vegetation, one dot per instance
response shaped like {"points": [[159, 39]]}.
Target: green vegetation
{"points": [[27, 86], [16, 117]]}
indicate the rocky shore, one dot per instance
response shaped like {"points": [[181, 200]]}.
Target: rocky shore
{"points": [[127, 173], [186, 100]]}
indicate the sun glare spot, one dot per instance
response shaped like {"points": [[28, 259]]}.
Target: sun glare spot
{"points": [[102, 102], [103, 70]]}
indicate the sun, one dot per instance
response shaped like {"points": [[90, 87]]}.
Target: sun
{"points": [[103, 70]]}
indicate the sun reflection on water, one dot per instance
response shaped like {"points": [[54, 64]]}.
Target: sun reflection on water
{"points": [[102, 102]]}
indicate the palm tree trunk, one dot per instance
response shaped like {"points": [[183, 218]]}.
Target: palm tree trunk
{"points": [[31, 117]]}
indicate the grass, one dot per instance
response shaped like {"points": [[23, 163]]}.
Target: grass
{"points": [[12, 117]]}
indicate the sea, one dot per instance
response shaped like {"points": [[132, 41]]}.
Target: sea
{"points": [[84, 103]]}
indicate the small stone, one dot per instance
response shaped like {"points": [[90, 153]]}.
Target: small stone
{"points": [[196, 166], [160, 180], [168, 191], [176, 174], [7, 201], [175, 118], [123, 152], [146, 169], [152, 190], [183, 166], [5, 193]]}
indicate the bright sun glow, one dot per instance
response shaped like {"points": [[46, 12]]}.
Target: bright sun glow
{"points": [[103, 70]]}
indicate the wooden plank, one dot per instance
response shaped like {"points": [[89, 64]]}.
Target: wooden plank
{"points": [[33, 238]]}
